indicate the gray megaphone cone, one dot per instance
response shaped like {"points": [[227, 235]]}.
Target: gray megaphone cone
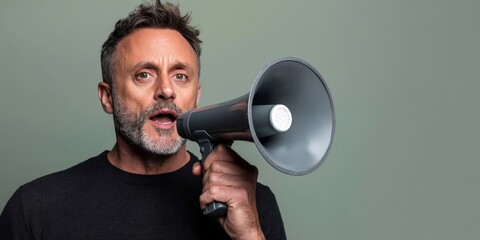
{"points": [[294, 138], [297, 85]]}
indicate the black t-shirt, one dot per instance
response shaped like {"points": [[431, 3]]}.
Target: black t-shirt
{"points": [[96, 200]]}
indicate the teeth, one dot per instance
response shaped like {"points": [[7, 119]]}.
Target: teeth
{"points": [[163, 119], [164, 123]]}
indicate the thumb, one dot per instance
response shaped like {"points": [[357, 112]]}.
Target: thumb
{"points": [[197, 169]]}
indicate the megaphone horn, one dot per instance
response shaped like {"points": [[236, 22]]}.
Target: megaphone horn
{"points": [[288, 114]]}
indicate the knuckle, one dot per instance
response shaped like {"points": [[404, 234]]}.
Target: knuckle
{"points": [[215, 166], [213, 190], [220, 148], [212, 177]]}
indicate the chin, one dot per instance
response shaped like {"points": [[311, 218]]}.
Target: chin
{"points": [[164, 145]]}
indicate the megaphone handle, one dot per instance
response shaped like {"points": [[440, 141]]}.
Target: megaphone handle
{"points": [[207, 144]]}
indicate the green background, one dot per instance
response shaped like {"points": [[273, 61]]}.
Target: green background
{"points": [[404, 80]]}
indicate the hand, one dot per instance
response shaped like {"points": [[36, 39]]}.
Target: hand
{"points": [[230, 179]]}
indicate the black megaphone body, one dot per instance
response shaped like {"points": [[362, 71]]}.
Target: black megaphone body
{"points": [[288, 114]]}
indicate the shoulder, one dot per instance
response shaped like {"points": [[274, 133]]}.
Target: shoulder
{"points": [[48, 196], [64, 179]]}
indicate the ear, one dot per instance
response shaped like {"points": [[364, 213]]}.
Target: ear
{"points": [[198, 94], [105, 96]]}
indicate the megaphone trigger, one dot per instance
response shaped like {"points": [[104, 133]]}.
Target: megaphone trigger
{"points": [[207, 144]]}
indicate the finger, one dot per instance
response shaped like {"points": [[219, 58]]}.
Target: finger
{"points": [[197, 169], [223, 153], [230, 168], [233, 197], [221, 179]]}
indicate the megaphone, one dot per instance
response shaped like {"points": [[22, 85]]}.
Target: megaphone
{"points": [[288, 114]]}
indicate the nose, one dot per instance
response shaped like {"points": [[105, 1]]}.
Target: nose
{"points": [[164, 89]]}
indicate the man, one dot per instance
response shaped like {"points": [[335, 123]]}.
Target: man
{"points": [[148, 186]]}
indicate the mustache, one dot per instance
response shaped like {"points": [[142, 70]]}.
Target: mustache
{"points": [[159, 106]]}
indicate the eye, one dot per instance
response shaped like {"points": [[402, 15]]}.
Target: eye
{"points": [[143, 75], [180, 77]]}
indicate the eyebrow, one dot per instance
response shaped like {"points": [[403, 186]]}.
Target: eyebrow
{"points": [[181, 65], [176, 65], [143, 64]]}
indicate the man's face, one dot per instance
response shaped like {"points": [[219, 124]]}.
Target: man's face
{"points": [[156, 79]]}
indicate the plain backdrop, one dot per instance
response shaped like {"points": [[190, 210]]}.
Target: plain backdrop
{"points": [[403, 76]]}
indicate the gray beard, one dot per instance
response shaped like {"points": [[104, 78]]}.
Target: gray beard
{"points": [[130, 127]]}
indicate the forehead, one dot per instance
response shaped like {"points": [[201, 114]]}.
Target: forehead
{"points": [[155, 45]]}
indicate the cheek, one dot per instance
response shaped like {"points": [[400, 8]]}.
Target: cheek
{"points": [[135, 100], [187, 100]]}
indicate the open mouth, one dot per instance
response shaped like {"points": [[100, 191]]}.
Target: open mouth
{"points": [[164, 117]]}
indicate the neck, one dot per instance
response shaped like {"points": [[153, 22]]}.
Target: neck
{"points": [[133, 160]]}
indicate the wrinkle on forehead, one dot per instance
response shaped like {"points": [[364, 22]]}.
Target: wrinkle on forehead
{"points": [[164, 47]]}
